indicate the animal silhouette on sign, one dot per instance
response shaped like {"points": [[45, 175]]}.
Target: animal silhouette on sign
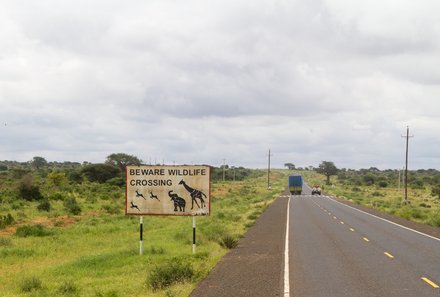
{"points": [[134, 205], [152, 196], [195, 194], [139, 194], [179, 202]]}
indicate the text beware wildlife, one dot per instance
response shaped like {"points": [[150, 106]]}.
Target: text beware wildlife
{"points": [[168, 190]]}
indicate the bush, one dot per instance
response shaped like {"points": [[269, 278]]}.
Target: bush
{"points": [[27, 191], [68, 287], [57, 196], [30, 284], [4, 241], [6, 220], [72, 206], [44, 205], [31, 230], [434, 219], [112, 208], [383, 184], [228, 241], [174, 271]]}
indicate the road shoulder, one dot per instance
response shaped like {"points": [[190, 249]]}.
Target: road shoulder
{"points": [[255, 267]]}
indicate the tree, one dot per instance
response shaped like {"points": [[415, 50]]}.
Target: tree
{"points": [[328, 169], [289, 166], [38, 162], [57, 178], [27, 190], [100, 172], [121, 160]]}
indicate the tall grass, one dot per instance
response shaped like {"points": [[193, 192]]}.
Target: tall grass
{"points": [[96, 253]]}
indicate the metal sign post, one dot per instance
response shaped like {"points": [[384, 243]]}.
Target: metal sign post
{"points": [[194, 234], [141, 224]]}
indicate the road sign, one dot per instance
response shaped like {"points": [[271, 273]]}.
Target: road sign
{"points": [[168, 190]]}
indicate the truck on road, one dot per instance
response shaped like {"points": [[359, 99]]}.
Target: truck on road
{"points": [[295, 184]]}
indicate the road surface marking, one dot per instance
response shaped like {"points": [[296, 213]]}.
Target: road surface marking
{"points": [[430, 282], [342, 222], [286, 255], [366, 239], [351, 229], [335, 217], [389, 255], [415, 231]]}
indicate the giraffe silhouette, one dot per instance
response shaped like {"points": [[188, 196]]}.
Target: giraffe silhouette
{"points": [[195, 194]]}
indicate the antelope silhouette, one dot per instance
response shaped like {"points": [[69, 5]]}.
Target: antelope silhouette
{"points": [[152, 196], [134, 205], [139, 194], [195, 194], [178, 201]]}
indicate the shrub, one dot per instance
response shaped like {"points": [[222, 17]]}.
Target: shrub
{"points": [[68, 287], [27, 190], [228, 241], [5, 241], [6, 220], [44, 205], [383, 184], [30, 284], [72, 206], [31, 230], [434, 219], [112, 208], [157, 251], [57, 196], [172, 272]]}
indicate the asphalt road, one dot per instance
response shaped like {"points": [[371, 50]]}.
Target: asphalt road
{"points": [[337, 250], [333, 250]]}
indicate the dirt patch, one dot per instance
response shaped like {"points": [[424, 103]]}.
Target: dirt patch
{"points": [[62, 221]]}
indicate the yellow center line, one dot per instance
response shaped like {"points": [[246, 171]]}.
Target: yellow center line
{"points": [[389, 255], [351, 229], [430, 282], [366, 239]]}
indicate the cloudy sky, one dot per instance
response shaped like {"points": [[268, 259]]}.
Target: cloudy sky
{"points": [[200, 81]]}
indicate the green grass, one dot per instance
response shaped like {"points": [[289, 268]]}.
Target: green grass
{"points": [[422, 206], [96, 253]]}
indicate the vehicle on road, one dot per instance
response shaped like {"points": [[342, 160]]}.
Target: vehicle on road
{"points": [[295, 184], [316, 190]]}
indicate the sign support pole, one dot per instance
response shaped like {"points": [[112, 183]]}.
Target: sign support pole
{"points": [[194, 235], [141, 224]]}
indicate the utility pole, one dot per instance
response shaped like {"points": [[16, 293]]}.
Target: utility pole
{"points": [[406, 163], [268, 170]]}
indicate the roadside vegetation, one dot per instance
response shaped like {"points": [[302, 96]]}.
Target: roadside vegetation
{"points": [[63, 231], [381, 190]]}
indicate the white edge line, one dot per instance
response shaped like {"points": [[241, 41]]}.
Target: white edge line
{"points": [[286, 254], [415, 231]]}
